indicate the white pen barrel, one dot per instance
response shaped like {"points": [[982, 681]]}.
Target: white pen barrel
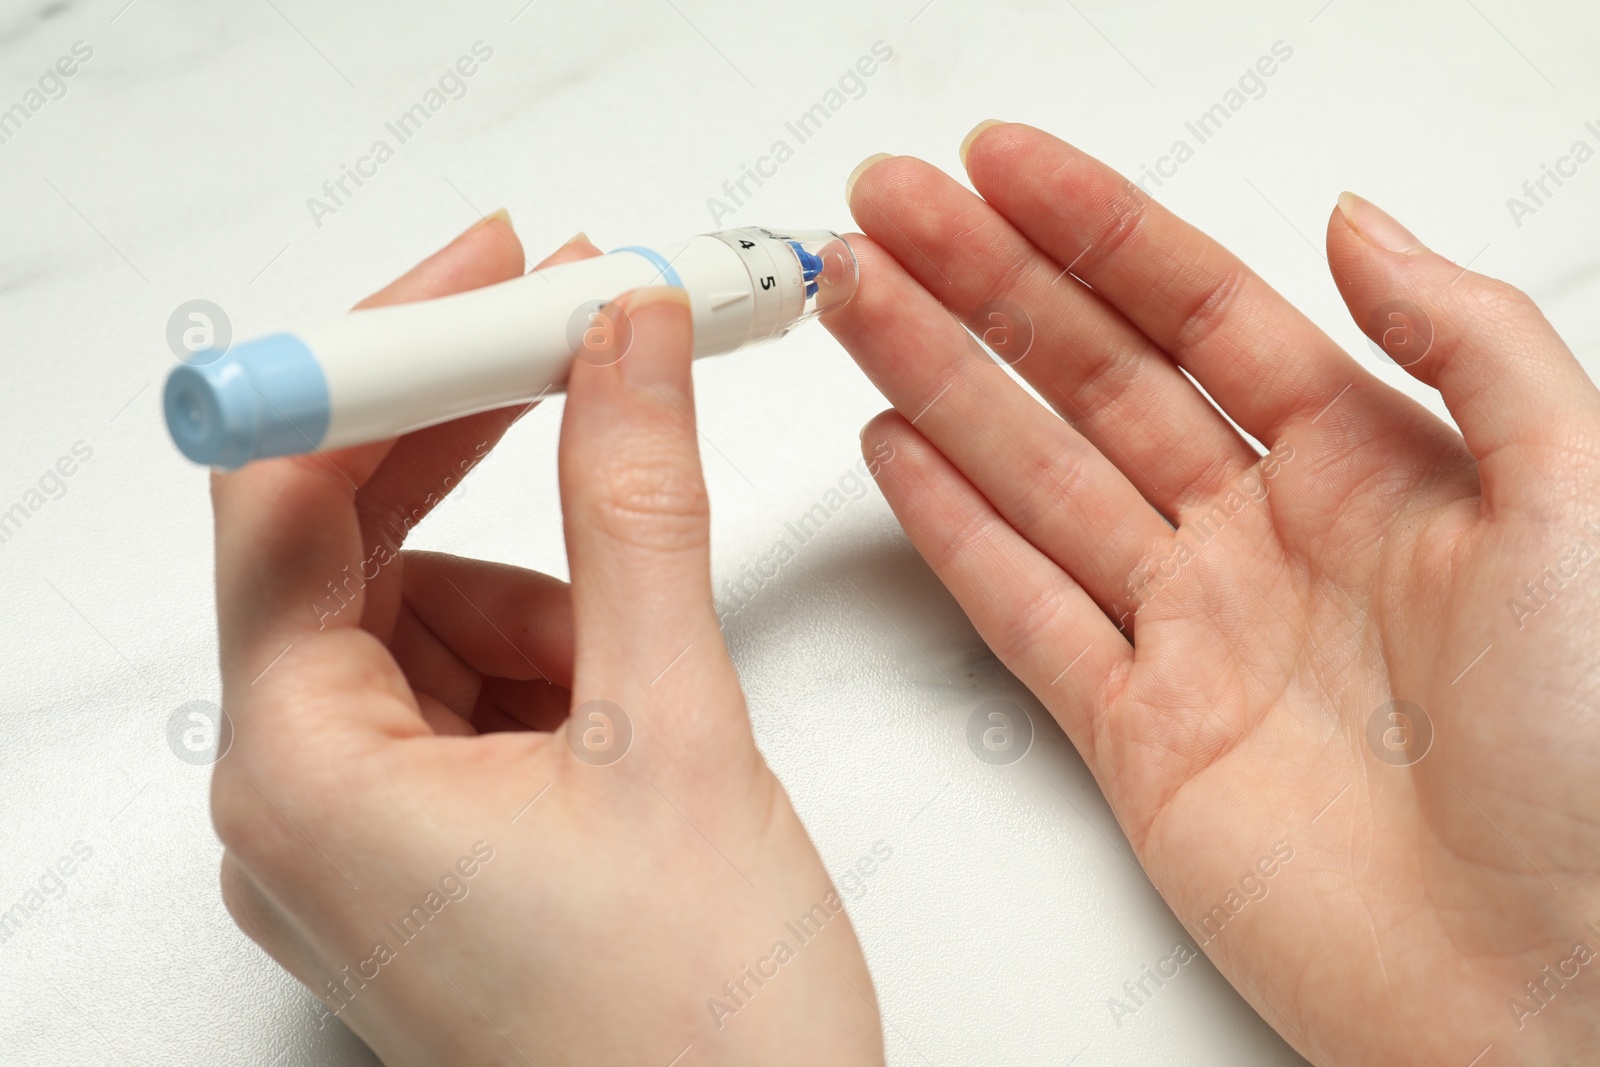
{"points": [[402, 367], [381, 372]]}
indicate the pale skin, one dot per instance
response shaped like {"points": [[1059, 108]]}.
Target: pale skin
{"points": [[1225, 708], [1222, 704], [426, 723]]}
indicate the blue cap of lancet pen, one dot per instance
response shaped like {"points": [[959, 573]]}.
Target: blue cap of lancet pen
{"points": [[263, 398]]}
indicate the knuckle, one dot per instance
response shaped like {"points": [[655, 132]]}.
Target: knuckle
{"points": [[973, 531], [1004, 273], [652, 495], [1054, 478], [383, 514], [1209, 308], [1500, 301], [1106, 377], [1119, 209], [1032, 621]]}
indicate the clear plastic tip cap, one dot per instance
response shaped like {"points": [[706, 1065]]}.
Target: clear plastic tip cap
{"points": [[828, 266]]}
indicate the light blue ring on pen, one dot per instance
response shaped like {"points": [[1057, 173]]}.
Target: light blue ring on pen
{"points": [[669, 275]]}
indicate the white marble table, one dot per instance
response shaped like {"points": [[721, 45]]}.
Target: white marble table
{"points": [[176, 163]]}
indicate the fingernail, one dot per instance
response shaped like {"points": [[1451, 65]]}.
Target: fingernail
{"points": [[1376, 226], [576, 238], [658, 360], [499, 215], [861, 168], [972, 135]]}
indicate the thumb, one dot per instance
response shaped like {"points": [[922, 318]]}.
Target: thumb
{"points": [[637, 524], [1515, 390]]}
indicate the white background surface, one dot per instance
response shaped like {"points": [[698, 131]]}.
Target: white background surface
{"points": [[178, 165]]}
